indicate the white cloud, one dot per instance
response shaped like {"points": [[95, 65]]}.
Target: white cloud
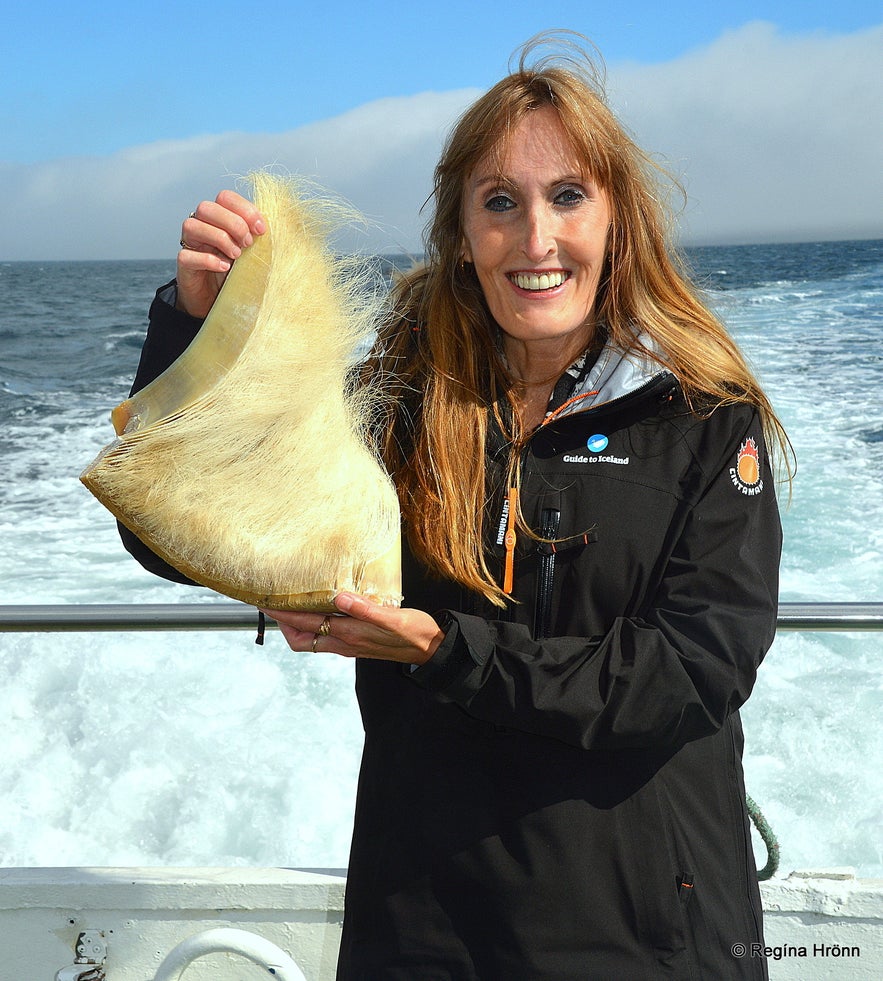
{"points": [[378, 157], [775, 138]]}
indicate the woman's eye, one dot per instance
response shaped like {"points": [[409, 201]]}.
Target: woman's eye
{"points": [[569, 196], [499, 202]]}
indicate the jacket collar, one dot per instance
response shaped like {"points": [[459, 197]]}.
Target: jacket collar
{"points": [[618, 372]]}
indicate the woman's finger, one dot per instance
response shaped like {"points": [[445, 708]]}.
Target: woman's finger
{"points": [[201, 236], [236, 204], [216, 229]]}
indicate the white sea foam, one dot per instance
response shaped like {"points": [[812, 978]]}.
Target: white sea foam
{"points": [[170, 749], [202, 748]]}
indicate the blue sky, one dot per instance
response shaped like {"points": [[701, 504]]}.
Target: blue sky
{"points": [[96, 83]]}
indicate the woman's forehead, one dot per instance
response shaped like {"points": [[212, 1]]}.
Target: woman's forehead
{"points": [[537, 142]]}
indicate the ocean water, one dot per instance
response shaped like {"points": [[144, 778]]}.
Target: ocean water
{"points": [[203, 749]]}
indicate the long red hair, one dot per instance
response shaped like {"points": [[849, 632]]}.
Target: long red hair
{"points": [[441, 345]]}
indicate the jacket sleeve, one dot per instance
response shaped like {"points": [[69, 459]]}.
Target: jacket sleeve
{"points": [[671, 674], [169, 333]]}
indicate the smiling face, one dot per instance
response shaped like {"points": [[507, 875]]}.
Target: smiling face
{"points": [[535, 228]]}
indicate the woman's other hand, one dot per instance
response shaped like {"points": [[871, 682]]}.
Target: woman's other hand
{"points": [[212, 239], [367, 629]]}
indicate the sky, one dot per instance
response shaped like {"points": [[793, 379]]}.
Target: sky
{"points": [[116, 120]]}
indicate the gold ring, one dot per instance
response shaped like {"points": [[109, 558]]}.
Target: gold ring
{"points": [[315, 643], [183, 244], [325, 628]]}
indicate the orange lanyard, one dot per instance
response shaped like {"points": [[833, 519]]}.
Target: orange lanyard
{"points": [[509, 542]]}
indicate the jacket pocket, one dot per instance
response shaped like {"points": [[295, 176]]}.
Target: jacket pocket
{"points": [[654, 877], [686, 887]]}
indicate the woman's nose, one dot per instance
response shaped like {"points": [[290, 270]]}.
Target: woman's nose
{"points": [[538, 236]]}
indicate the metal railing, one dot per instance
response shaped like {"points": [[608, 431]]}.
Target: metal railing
{"points": [[236, 616]]}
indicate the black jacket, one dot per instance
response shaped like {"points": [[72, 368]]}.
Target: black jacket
{"points": [[557, 795]]}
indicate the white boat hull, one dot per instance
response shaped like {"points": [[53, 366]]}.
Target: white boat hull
{"points": [[819, 924]]}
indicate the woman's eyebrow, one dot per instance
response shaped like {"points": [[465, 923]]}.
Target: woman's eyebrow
{"points": [[500, 180], [497, 180]]}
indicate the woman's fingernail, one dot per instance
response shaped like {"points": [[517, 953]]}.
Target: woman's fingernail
{"points": [[343, 602], [259, 227]]}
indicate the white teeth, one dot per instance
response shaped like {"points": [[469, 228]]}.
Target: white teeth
{"points": [[531, 281]]}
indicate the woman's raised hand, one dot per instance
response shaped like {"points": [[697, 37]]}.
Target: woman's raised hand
{"points": [[212, 239]]}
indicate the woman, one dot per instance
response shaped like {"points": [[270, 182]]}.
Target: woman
{"points": [[551, 784]]}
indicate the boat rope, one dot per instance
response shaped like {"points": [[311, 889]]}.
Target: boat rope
{"points": [[769, 839]]}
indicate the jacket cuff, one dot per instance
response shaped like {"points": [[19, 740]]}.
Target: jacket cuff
{"points": [[463, 651], [169, 334]]}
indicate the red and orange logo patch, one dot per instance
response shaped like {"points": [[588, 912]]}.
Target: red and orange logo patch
{"points": [[746, 474]]}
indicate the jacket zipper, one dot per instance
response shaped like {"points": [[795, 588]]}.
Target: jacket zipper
{"points": [[550, 521]]}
